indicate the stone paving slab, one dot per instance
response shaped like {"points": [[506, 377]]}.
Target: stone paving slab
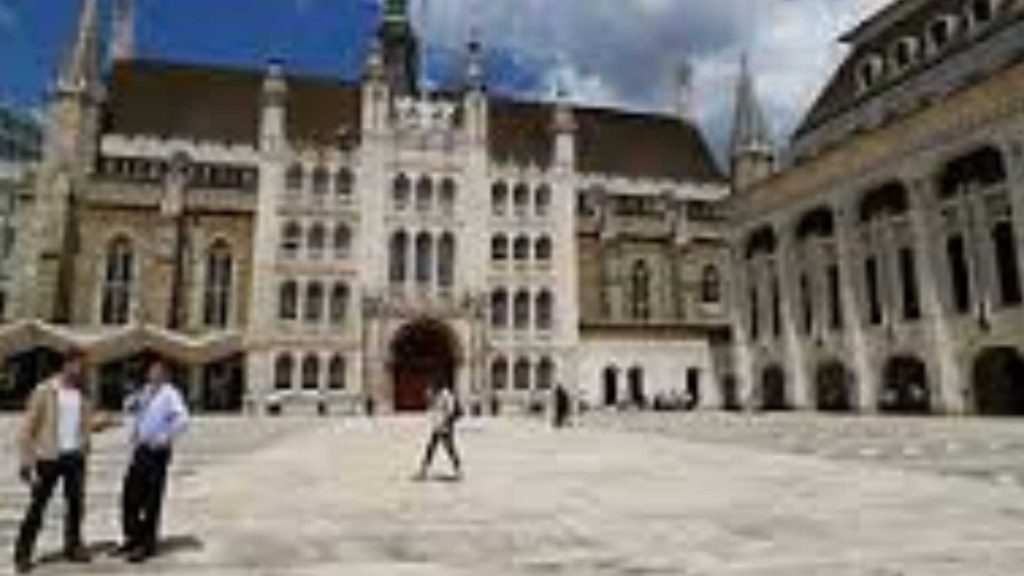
{"points": [[633, 497]]}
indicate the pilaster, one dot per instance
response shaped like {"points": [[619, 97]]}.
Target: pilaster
{"points": [[795, 345], [853, 315]]}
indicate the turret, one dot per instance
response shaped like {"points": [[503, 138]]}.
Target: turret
{"points": [[684, 91], [400, 48], [753, 153], [376, 92], [475, 101], [273, 117], [122, 42]]}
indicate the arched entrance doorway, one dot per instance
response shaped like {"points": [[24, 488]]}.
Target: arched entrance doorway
{"points": [[905, 387], [834, 388], [999, 382], [423, 357], [773, 389]]}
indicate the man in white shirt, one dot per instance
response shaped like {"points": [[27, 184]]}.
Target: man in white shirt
{"points": [[158, 416]]}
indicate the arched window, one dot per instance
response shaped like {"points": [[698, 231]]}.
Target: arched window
{"points": [[806, 303], [339, 303], [336, 373], [521, 310], [424, 258], [294, 178], [499, 199], [499, 248], [218, 289], [424, 194], [314, 305], [343, 183], [399, 254], [640, 281], [710, 285], [291, 239], [981, 12], [446, 260], [499, 308], [448, 192], [521, 249], [288, 301], [321, 181], [545, 310], [284, 368], [545, 374], [1007, 263], [908, 277], [400, 192], [317, 240], [311, 372], [521, 375], [543, 249], [959, 273], [118, 280], [499, 373], [342, 241], [521, 199], [542, 200]]}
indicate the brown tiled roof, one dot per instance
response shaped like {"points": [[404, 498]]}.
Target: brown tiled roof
{"points": [[631, 144], [219, 104], [150, 98], [609, 141]]}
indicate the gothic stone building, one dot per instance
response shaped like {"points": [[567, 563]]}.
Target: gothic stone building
{"points": [[300, 243], [881, 269]]}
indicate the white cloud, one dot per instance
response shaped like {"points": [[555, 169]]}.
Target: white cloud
{"points": [[624, 52]]}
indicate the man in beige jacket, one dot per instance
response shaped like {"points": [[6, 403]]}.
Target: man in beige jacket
{"points": [[53, 445]]}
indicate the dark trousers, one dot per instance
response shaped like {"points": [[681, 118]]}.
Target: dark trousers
{"points": [[142, 497], [69, 469], [445, 437]]}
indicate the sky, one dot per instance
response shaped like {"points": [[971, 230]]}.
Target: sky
{"points": [[623, 53]]}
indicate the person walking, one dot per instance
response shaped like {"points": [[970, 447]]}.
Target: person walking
{"points": [[562, 406], [445, 412], [53, 445], [158, 416]]}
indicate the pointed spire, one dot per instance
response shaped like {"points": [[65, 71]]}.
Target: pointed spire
{"points": [[684, 87], [122, 46], [474, 64], [750, 129], [81, 70]]}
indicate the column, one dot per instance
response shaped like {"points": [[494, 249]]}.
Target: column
{"points": [[795, 352], [742, 356], [848, 259], [944, 376], [1013, 155]]}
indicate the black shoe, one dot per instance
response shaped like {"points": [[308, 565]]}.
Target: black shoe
{"points": [[123, 549], [140, 555], [22, 566], [77, 555]]}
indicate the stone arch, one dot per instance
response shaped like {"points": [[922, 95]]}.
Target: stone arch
{"points": [[834, 387], [774, 392], [424, 355], [998, 382], [905, 388]]}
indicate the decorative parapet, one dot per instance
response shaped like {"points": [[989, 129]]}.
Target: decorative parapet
{"points": [[154, 147]]}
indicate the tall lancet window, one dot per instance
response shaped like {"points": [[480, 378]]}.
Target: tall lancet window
{"points": [[446, 261], [219, 281], [118, 279], [640, 302], [399, 265], [424, 258]]}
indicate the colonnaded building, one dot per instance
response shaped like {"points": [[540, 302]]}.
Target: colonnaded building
{"points": [[881, 268], [298, 243]]}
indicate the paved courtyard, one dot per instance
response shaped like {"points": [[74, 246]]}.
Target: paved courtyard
{"points": [[637, 494]]}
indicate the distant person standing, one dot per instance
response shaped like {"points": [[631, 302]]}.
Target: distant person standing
{"points": [[562, 406], [445, 412], [158, 416], [53, 446]]}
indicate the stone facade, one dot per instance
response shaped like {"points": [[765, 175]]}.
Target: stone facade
{"points": [[317, 245], [882, 268]]}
